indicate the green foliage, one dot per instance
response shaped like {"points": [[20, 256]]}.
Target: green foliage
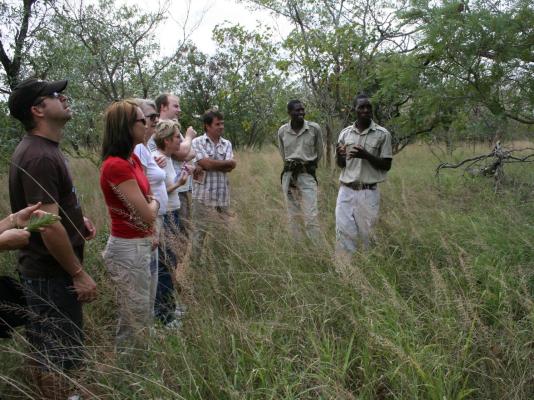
{"points": [[478, 53], [441, 68], [10, 133], [37, 222], [106, 51], [336, 47], [241, 80], [22, 21]]}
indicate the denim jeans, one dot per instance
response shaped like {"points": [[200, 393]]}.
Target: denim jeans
{"points": [[154, 262], [128, 262], [169, 245]]}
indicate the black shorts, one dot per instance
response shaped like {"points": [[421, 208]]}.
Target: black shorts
{"points": [[12, 306], [54, 322]]}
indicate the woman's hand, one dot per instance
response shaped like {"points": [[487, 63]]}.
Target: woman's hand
{"points": [[14, 239], [22, 217]]}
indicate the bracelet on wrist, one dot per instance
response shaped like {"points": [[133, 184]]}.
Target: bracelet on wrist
{"points": [[77, 272]]}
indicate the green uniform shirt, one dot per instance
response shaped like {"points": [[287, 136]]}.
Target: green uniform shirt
{"points": [[304, 145], [377, 141]]}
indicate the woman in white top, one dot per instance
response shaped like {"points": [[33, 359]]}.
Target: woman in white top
{"points": [[156, 178], [167, 139]]}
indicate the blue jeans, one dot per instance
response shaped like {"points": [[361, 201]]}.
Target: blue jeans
{"points": [[169, 243], [154, 261]]}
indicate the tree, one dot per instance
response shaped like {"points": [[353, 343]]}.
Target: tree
{"points": [[335, 45], [107, 52], [120, 52], [23, 21], [479, 54], [240, 79]]}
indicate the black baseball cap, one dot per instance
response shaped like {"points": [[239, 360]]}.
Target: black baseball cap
{"points": [[26, 92]]}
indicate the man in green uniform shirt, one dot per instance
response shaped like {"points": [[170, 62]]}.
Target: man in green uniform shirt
{"points": [[301, 146], [364, 154]]}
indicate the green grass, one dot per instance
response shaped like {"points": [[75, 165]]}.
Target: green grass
{"points": [[440, 308]]}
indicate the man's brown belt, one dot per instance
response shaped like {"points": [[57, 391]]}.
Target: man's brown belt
{"points": [[360, 186]]}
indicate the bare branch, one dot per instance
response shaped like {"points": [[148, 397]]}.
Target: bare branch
{"points": [[498, 156], [524, 120], [463, 162], [401, 142]]}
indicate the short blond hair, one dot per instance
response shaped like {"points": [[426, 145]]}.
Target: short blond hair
{"points": [[165, 128]]}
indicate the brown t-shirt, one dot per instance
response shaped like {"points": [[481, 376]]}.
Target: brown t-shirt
{"points": [[38, 172]]}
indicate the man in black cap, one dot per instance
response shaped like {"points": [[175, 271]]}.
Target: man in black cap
{"points": [[51, 269]]}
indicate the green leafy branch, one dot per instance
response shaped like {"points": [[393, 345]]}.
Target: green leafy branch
{"points": [[38, 221]]}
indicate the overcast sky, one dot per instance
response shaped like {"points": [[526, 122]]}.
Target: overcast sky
{"points": [[210, 13]]}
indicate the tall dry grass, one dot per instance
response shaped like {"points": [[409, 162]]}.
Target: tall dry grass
{"points": [[439, 308]]}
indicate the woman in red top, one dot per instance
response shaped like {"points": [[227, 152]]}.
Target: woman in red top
{"points": [[133, 211]]}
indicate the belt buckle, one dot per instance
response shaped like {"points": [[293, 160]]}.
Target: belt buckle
{"points": [[356, 185], [360, 186]]}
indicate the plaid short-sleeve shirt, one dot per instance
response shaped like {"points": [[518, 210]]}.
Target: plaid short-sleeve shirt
{"points": [[215, 190]]}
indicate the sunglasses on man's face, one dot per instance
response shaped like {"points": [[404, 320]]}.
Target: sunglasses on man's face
{"points": [[143, 120], [54, 95], [153, 117]]}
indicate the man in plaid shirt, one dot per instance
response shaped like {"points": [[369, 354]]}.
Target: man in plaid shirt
{"points": [[211, 193]]}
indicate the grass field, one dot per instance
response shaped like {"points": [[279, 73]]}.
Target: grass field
{"points": [[440, 308]]}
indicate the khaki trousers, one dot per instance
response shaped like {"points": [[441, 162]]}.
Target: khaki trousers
{"points": [[356, 215], [206, 219], [301, 204], [128, 263]]}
